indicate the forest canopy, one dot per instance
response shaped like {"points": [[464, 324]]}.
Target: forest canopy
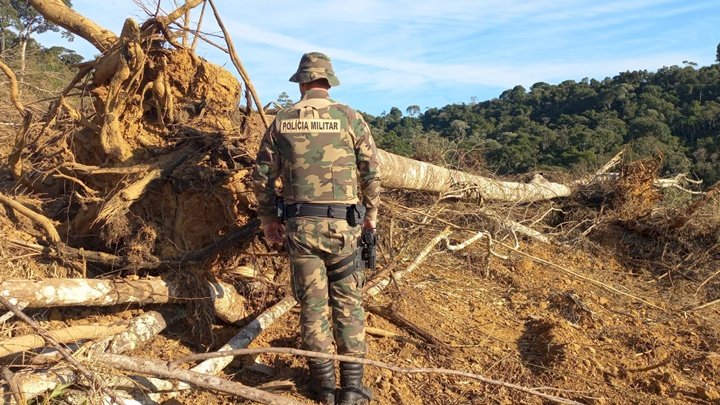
{"points": [[673, 112]]}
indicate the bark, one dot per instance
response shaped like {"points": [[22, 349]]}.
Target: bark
{"points": [[404, 173], [23, 50], [24, 343], [58, 292], [57, 12]]}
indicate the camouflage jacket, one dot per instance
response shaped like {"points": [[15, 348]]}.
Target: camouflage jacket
{"points": [[322, 149]]}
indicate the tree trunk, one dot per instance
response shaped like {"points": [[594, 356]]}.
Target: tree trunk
{"points": [[57, 12], [23, 47], [58, 292], [409, 174]]}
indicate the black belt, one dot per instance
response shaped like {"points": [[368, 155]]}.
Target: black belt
{"points": [[316, 210]]}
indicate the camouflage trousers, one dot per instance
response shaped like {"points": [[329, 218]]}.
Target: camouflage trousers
{"points": [[312, 244]]}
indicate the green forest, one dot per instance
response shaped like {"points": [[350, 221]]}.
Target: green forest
{"points": [[673, 113]]}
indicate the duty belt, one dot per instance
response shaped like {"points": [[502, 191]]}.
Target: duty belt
{"points": [[316, 210], [349, 264]]}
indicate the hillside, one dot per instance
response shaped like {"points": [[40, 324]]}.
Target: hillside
{"points": [[672, 112]]}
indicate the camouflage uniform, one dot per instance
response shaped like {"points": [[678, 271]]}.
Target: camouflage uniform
{"points": [[322, 150]]}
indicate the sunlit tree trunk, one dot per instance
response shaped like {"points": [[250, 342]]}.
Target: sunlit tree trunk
{"points": [[409, 174]]}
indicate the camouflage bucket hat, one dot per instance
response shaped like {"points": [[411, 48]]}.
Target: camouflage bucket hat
{"points": [[313, 66]]}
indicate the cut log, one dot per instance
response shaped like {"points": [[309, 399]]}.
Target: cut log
{"points": [[23, 343], [404, 173], [59, 292]]}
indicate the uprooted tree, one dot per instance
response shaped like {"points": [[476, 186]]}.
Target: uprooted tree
{"points": [[148, 134], [149, 155]]}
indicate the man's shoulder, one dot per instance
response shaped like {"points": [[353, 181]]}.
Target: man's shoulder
{"points": [[344, 108]]}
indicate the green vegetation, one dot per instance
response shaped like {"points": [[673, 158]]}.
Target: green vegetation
{"points": [[573, 125], [41, 71]]}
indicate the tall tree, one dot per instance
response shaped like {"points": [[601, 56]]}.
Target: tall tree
{"points": [[31, 22], [413, 110], [284, 100], [8, 19]]}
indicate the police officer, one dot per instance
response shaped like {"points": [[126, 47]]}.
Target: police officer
{"points": [[324, 152]]}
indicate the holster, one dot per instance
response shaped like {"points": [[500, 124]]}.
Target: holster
{"points": [[355, 214]]}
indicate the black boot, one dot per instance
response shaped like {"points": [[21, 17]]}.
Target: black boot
{"points": [[323, 381], [352, 390]]}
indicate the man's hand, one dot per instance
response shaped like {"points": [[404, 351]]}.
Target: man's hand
{"points": [[274, 232], [368, 224]]}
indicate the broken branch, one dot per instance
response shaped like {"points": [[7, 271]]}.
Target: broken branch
{"points": [[161, 369], [62, 15], [375, 363], [239, 66], [24, 343], [39, 219], [67, 355], [377, 288]]}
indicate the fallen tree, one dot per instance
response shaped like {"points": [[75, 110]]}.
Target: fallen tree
{"points": [[56, 292]]}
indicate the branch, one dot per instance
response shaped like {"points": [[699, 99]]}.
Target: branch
{"points": [[580, 276], [189, 5], [161, 369], [377, 288], [350, 359], [199, 24], [57, 12], [66, 354], [233, 238], [238, 65], [39, 219], [705, 305], [24, 343], [14, 90]]}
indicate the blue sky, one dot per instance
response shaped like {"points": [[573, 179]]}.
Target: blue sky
{"points": [[432, 53]]}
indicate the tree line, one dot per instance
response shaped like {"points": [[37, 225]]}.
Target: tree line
{"points": [[19, 23], [673, 112]]}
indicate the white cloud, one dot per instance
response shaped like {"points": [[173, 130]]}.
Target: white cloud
{"points": [[421, 47]]}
